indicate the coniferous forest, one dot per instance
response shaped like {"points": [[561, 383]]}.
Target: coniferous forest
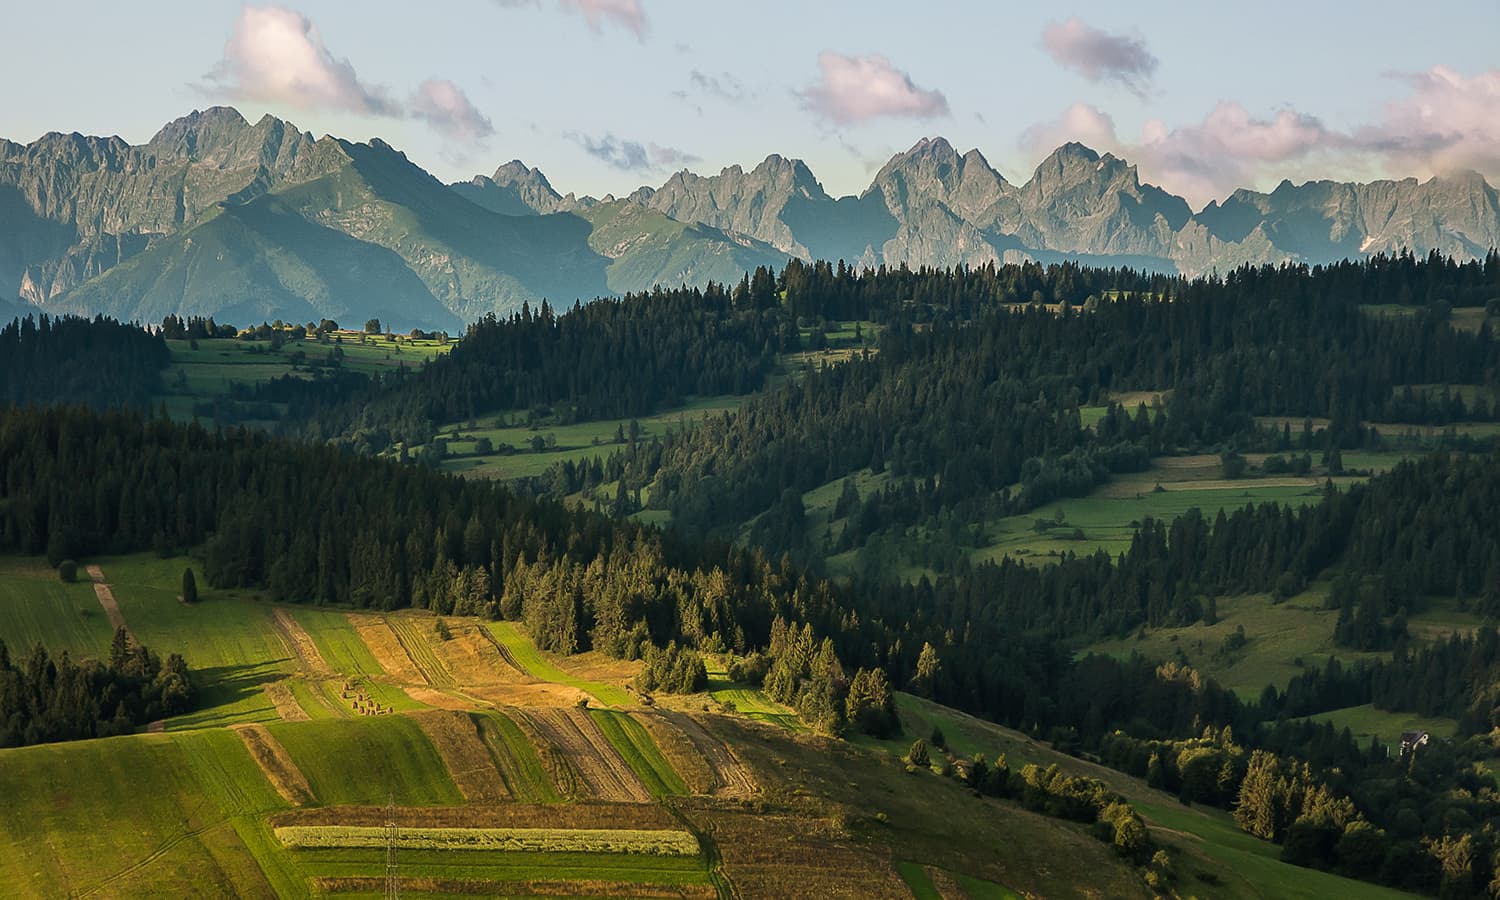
{"points": [[970, 403]]}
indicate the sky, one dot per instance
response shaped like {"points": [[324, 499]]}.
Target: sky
{"points": [[608, 95]]}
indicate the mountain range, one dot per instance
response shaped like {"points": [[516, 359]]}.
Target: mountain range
{"points": [[249, 222]]}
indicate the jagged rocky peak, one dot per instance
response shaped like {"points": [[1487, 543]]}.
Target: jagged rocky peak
{"points": [[932, 170]]}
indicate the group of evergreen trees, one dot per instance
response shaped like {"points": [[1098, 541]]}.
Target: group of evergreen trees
{"points": [[45, 698]]}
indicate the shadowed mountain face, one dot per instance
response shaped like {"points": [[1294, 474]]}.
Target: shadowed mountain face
{"points": [[216, 216]]}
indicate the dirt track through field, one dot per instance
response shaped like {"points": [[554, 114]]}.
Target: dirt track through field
{"points": [[287, 707], [733, 777], [276, 763], [300, 644], [570, 738], [107, 600], [456, 738]]}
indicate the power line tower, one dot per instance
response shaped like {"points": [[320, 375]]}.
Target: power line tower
{"points": [[392, 833]]}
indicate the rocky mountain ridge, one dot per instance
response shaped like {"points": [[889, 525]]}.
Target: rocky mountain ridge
{"points": [[215, 215]]}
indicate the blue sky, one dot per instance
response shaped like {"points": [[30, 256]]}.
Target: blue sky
{"points": [[606, 95]]}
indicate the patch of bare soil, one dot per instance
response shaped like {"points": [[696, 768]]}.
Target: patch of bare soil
{"points": [[276, 763], [107, 600]]}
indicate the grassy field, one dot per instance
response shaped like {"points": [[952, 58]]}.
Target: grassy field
{"points": [[516, 759], [210, 370], [542, 666], [131, 816], [343, 649], [226, 638], [583, 440], [1366, 722], [640, 752], [1201, 840], [40, 609], [368, 761], [1282, 639]]}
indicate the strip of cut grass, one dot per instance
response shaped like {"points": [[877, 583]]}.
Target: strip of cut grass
{"points": [[347, 654], [635, 746]]}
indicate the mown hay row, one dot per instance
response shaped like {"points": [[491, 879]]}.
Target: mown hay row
{"points": [[300, 644], [456, 738], [572, 745], [277, 764], [633, 816], [414, 641], [656, 842]]}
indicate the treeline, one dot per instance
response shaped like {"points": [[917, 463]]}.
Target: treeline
{"points": [[314, 524], [65, 360], [612, 358], [45, 698], [971, 406]]}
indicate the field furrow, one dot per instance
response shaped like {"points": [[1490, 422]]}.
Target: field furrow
{"points": [[569, 736], [469, 763], [386, 647], [413, 639], [277, 764], [515, 757], [732, 777]]}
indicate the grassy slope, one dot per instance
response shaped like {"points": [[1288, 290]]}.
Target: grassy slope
{"points": [[583, 440], [229, 643], [1200, 839], [368, 761], [538, 664], [635, 746], [38, 608]]}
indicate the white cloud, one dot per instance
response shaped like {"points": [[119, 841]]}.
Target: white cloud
{"points": [[855, 89], [276, 55], [445, 106], [1100, 56], [1447, 121]]}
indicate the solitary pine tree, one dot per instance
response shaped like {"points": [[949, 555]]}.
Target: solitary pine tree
{"points": [[189, 587]]}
